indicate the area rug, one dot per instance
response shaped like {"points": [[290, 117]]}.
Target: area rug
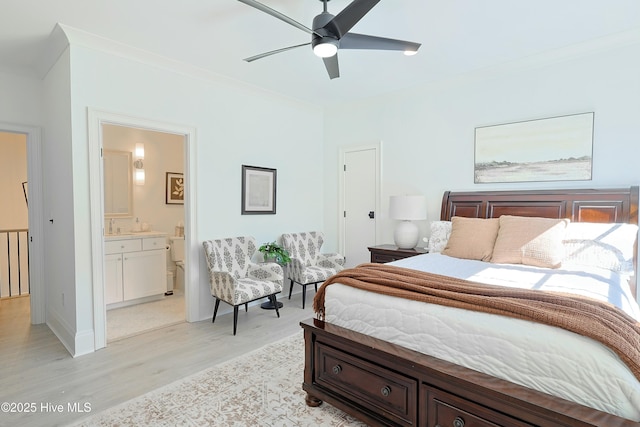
{"points": [[126, 322], [261, 388]]}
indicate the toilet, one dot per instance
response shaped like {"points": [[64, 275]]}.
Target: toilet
{"points": [[177, 256]]}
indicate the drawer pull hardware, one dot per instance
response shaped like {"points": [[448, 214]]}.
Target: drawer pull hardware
{"points": [[458, 422], [337, 369], [386, 391]]}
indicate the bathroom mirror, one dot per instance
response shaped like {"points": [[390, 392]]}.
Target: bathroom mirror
{"points": [[118, 192]]}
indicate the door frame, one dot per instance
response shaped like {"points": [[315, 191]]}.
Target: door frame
{"points": [[96, 118], [35, 209], [377, 147]]}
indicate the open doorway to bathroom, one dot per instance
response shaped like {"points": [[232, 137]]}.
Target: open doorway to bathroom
{"points": [[144, 218]]}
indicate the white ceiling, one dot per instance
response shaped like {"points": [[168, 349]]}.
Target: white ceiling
{"points": [[457, 36]]}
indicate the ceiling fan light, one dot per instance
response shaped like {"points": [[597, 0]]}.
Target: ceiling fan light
{"points": [[326, 49], [410, 52]]}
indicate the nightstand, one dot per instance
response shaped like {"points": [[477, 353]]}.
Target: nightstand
{"points": [[388, 253]]}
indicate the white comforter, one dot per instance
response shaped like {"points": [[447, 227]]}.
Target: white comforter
{"points": [[545, 358]]}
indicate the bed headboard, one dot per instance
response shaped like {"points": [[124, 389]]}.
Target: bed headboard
{"points": [[578, 205]]}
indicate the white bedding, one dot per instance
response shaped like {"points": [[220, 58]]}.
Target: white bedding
{"points": [[545, 358]]}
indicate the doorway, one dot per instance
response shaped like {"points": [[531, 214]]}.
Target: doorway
{"points": [[140, 295], [360, 188], [14, 216], [96, 144], [26, 212]]}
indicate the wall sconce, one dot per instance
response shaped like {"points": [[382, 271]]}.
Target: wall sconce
{"points": [[139, 172], [406, 209]]}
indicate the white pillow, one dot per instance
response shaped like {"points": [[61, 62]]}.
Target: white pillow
{"points": [[603, 245], [440, 232]]}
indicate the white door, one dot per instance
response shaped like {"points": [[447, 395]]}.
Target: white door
{"points": [[360, 202]]}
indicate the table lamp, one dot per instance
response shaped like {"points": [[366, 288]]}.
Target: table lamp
{"points": [[407, 209]]}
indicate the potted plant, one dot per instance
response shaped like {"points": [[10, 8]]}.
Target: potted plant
{"points": [[275, 253]]}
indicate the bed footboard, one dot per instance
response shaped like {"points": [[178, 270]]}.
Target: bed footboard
{"points": [[384, 384]]}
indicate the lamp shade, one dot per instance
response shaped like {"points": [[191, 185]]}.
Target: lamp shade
{"points": [[139, 176], [408, 207], [139, 152]]}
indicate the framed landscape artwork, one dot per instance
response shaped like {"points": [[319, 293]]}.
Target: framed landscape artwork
{"points": [[258, 190], [552, 149]]}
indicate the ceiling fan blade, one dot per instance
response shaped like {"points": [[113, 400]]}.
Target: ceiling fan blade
{"points": [[273, 52], [331, 64], [362, 41], [280, 16], [349, 16]]}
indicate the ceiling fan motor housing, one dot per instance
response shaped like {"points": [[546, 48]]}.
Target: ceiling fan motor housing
{"points": [[321, 34]]}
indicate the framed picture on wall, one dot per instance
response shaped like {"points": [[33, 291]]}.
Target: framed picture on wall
{"points": [[551, 149], [258, 190], [174, 189]]}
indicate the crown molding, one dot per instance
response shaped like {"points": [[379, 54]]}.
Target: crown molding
{"points": [[63, 36], [77, 37], [57, 43]]}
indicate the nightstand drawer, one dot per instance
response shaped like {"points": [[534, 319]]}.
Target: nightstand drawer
{"points": [[388, 253], [371, 385], [382, 258]]}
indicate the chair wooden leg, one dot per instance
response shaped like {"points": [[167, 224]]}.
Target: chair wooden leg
{"points": [[215, 310], [290, 288], [274, 301], [246, 307], [235, 319], [304, 294], [316, 285]]}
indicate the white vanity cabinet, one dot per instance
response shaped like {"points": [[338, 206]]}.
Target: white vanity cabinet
{"points": [[135, 267]]}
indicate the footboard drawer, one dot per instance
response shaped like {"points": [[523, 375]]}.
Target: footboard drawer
{"points": [[448, 410], [375, 387]]}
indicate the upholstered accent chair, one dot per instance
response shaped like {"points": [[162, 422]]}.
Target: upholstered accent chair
{"points": [[237, 280], [308, 266]]}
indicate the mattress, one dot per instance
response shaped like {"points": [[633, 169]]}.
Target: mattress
{"points": [[545, 358]]}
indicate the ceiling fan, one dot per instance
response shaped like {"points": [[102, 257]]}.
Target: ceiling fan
{"points": [[330, 33]]}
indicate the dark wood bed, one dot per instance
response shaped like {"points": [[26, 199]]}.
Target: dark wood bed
{"points": [[385, 384]]}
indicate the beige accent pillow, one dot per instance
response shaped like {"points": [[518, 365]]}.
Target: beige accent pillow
{"points": [[530, 240], [472, 238]]}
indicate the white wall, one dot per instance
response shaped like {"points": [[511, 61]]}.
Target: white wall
{"points": [[20, 99], [428, 133], [61, 160], [236, 125]]}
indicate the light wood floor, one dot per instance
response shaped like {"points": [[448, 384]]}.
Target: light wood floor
{"points": [[36, 369]]}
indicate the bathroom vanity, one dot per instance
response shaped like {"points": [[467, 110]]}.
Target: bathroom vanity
{"points": [[135, 267]]}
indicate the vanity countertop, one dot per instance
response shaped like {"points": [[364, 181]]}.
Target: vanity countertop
{"points": [[134, 235]]}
